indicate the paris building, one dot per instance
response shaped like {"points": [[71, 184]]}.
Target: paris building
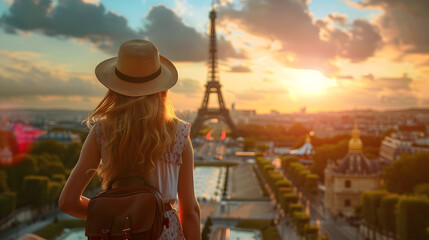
{"points": [[347, 180]]}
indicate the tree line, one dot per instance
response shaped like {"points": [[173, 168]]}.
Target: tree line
{"points": [[38, 177], [402, 207], [281, 187]]}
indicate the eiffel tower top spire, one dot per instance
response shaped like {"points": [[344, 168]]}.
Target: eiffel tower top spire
{"points": [[213, 74]]}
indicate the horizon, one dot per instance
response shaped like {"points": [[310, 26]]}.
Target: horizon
{"points": [[257, 112]]}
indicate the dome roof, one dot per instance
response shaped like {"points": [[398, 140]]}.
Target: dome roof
{"points": [[357, 163]]}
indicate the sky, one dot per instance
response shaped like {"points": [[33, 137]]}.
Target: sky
{"points": [[325, 55]]}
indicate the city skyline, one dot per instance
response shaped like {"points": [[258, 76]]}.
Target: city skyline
{"points": [[327, 56]]}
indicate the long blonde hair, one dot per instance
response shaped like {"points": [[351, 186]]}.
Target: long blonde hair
{"points": [[137, 130]]}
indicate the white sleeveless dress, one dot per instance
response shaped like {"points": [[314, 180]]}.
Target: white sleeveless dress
{"points": [[166, 175]]}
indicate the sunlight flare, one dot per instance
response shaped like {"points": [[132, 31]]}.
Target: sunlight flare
{"points": [[313, 82]]}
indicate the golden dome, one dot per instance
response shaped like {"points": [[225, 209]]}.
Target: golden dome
{"points": [[355, 144]]}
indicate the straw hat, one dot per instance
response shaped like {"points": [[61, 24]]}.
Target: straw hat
{"points": [[138, 70]]}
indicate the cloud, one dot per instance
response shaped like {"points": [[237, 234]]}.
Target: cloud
{"points": [[405, 23], [364, 39], [24, 78], [259, 94], [345, 77], [390, 91], [179, 41], [403, 83], [291, 23], [338, 18], [107, 30], [240, 69], [188, 86], [69, 18], [399, 83], [397, 98], [369, 77]]}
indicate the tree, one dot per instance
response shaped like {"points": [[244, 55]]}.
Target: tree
{"points": [[287, 161], [16, 173], [386, 212], [3, 182], [249, 144], [311, 232], [36, 189], [407, 172], [325, 153], [412, 218], [7, 203], [72, 154], [205, 234], [54, 191], [262, 147], [49, 165], [49, 146], [298, 129], [311, 182], [422, 189], [370, 203], [301, 220]]}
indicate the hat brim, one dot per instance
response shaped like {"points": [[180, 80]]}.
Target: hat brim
{"points": [[105, 73]]}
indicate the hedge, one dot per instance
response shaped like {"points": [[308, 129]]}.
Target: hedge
{"points": [[7, 203], [413, 218], [370, 203], [267, 228], [287, 199], [386, 212], [311, 232], [296, 207], [311, 182], [36, 189], [54, 191], [300, 220]]}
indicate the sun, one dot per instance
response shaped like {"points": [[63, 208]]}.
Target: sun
{"points": [[312, 82]]}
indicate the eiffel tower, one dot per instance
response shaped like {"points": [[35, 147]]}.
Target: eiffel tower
{"points": [[212, 87]]}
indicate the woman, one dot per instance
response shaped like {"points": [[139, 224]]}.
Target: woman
{"points": [[135, 130]]}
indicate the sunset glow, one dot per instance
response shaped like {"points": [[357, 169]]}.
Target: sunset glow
{"points": [[313, 82], [294, 52]]}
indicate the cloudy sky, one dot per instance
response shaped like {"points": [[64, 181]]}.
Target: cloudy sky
{"points": [[274, 54]]}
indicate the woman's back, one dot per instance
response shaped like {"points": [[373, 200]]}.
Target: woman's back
{"points": [[165, 176], [136, 130]]}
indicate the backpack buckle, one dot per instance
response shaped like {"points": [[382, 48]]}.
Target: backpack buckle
{"points": [[126, 234], [105, 234]]}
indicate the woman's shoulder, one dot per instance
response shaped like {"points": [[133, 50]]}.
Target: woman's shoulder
{"points": [[183, 126], [181, 139], [98, 127]]}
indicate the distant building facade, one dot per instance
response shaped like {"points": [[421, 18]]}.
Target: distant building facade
{"points": [[353, 175], [65, 138], [392, 148]]}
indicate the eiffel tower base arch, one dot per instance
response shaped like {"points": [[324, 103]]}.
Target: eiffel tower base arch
{"points": [[206, 114]]}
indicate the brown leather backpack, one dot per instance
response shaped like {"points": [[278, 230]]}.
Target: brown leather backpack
{"points": [[133, 211]]}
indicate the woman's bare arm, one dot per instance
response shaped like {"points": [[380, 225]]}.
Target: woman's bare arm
{"points": [[71, 200], [188, 204]]}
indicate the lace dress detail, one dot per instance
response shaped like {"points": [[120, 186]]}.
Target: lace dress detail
{"points": [[174, 154]]}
